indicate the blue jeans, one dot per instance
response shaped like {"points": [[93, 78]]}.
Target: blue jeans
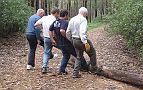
{"points": [[32, 40], [47, 51]]}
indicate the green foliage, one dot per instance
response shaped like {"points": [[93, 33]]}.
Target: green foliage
{"points": [[127, 20], [96, 23], [14, 14]]}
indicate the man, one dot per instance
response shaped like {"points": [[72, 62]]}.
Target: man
{"points": [[33, 37], [77, 28], [46, 22], [59, 29]]}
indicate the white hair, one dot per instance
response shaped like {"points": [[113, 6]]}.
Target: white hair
{"points": [[82, 10], [40, 11]]}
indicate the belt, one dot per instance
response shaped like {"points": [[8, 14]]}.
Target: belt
{"points": [[76, 38], [47, 37]]}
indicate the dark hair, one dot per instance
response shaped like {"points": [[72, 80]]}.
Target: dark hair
{"points": [[63, 13], [55, 10]]}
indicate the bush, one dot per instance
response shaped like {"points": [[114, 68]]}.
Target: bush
{"points": [[127, 20], [14, 14]]}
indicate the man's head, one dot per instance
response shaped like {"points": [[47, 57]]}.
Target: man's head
{"points": [[40, 12], [55, 12], [64, 14], [83, 11]]}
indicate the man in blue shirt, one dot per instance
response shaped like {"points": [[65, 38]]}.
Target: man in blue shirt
{"points": [[58, 29], [33, 37]]}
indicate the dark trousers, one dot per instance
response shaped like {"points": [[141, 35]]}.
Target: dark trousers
{"points": [[79, 48], [32, 40], [66, 51]]}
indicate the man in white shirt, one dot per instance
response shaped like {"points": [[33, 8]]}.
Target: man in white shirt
{"points": [[46, 22], [77, 28]]}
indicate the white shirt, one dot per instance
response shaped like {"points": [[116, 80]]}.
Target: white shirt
{"points": [[46, 22], [78, 27]]}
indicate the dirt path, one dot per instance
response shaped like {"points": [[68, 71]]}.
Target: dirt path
{"points": [[110, 54]]}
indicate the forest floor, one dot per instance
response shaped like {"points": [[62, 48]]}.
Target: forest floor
{"points": [[111, 53]]}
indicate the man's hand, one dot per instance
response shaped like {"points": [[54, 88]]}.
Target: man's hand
{"points": [[53, 42], [38, 42], [87, 47]]}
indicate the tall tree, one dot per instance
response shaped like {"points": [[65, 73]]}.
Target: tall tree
{"points": [[95, 8]]}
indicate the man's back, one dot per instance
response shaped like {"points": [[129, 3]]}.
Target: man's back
{"points": [[74, 25], [32, 20], [46, 22], [57, 26]]}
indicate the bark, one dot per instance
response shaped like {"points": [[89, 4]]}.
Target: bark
{"points": [[123, 76]]}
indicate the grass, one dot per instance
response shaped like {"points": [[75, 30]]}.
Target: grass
{"points": [[95, 24], [98, 22]]}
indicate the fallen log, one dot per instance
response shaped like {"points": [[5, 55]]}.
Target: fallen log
{"points": [[119, 75], [123, 76]]}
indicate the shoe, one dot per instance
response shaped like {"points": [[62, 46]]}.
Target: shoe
{"points": [[62, 73], [53, 56], [76, 76], [30, 67], [95, 70], [44, 70], [84, 69]]}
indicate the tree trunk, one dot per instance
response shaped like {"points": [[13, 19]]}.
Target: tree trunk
{"points": [[95, 8], [123, 76], [69, 7], [90, 11], [46, 11], [40, 3], [86, 3], [56, 3], [106, 10], [49, 6]]}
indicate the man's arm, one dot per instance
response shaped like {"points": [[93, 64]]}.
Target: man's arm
{"points": [[68, 32], [63, 28], [63, 32], [38, 24], [37, 31], [51, 34], [83, 30], [83, 35], [68, 28]]}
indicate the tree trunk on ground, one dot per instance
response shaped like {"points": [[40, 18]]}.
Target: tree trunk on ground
{"points": [[123, 76]]}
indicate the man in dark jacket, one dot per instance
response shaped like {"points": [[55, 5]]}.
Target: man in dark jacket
{"points": [[59, 29]]}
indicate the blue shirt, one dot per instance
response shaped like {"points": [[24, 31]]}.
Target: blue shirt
{"points": [[31, 30], [56, 26]]}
